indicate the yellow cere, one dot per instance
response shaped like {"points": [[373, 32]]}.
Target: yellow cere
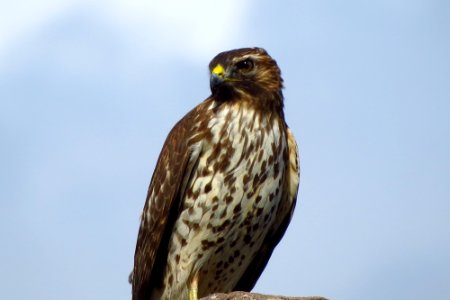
{"points": [[219, 71]]}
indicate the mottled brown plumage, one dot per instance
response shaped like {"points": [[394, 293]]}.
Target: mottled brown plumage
{"points": [[224, 188]]}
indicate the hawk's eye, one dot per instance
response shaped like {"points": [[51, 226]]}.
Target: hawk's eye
{"points": [[245, 65]]}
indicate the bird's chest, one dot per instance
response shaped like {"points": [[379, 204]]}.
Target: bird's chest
{"points": [[239, 170], [232, 198]]}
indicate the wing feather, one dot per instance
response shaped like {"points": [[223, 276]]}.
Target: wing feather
{"points": [[162, 207]]}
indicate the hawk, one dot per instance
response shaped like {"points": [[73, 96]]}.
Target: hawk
{"points": [[224, 187]]}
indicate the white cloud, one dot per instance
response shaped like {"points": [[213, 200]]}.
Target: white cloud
{"points": [[201, 28], [198, 27], [21, 17]]}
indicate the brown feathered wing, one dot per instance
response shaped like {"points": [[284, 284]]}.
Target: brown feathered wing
{"points": [[162, 206]]}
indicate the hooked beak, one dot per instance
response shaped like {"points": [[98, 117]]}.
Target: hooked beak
{"points": [[217, 77]]}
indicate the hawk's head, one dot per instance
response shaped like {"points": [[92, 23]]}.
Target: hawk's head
{"points": [[245, 72]]}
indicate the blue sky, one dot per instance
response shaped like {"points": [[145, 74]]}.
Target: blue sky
{"points": [[88, 93]]}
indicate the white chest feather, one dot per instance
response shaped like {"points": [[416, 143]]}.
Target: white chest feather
{"points": [[230, 201]]}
